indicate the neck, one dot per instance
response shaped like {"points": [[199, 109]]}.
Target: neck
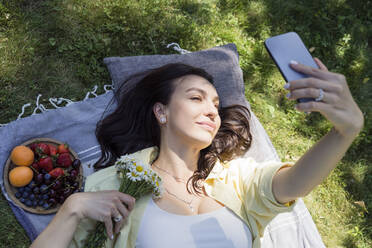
{"points": [[179, 161]]}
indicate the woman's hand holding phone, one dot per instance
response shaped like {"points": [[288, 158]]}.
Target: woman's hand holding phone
{"points": [[337, 105]]}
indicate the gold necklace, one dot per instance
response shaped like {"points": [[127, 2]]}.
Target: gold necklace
{"points": [[181, 180], [188, 203], [178, 179]]}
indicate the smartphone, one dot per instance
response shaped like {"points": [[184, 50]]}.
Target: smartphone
{"points": [[286, 47]]}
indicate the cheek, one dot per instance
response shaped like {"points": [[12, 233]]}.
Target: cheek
{"points": [[183, 115], [218, 125], [185, 111]]}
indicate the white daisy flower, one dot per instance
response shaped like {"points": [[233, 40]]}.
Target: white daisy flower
{"points": [[133, 176]]}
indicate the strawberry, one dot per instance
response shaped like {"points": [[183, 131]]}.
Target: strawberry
{"points": [[63, 148], [46, 163], [42, 148], [52, 149], [57, 172], [64, 160]]}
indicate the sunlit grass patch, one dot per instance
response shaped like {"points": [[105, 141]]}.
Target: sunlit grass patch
{"points": [[340, 221]]}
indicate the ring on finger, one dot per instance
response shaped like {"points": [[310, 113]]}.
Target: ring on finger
{"points": [[118, 218], [321, 95]]}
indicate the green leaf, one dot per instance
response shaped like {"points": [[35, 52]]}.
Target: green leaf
{"points": [[52, 41]]}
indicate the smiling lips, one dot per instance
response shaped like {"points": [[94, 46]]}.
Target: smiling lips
{"points": [[207, 125]]}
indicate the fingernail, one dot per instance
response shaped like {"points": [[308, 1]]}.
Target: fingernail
{"points": [[288, 94], [286, 86], [112, 236], [293, 62]]}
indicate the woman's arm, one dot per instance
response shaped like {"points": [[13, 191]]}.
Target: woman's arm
{"points": [[340, 109], [60, 230], [99, 206], [312, 168]]}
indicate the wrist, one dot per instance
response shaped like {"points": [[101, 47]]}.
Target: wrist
{"points": [[71, 207], [350, 134]]}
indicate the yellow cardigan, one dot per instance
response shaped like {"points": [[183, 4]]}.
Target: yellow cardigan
{"points": [[242, 185]]}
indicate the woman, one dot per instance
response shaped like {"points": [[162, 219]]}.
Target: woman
{"points": [[174, 113]]}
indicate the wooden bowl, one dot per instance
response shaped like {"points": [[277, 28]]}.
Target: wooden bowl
{"points": [[12, 190]]}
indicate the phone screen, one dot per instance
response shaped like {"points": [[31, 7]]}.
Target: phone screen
{"points": [[286, 47]]}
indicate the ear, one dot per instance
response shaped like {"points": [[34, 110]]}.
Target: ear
{"points": [[159, 110]]}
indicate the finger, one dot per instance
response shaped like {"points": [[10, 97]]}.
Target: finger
{"points": [[313, 93], [311, 71], [320, 64], [314, 83], [125, 213], [313, 106], [128, 200], [115, 214], [123, 210], [108, 225]]}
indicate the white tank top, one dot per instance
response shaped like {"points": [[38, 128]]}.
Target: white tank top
{"points": [[219, 228]]}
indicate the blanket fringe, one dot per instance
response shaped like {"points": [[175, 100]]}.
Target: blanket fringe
{"points": [[58, 101], [55, 101], [177, 48]]}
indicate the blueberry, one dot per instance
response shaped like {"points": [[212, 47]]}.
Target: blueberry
{"points": [[45, 197], [31, 197], [76, 163], [41, 203], [32, 184], [39, 179], [36, 190], [21, 190], [22, 200], [45, 205], [52, 193], [43, 188], [27, 189], [25, 194], [28, 203], [18, 195], [52, 201], [34, 203], [47, 177]]}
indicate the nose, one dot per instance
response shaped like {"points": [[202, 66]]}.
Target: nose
{"points": [[211, 110]]}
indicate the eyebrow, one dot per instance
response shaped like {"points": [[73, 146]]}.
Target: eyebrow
{"points": [[202, 92]]}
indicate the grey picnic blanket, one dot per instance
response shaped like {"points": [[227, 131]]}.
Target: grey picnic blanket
{"points": [[75, 124]]}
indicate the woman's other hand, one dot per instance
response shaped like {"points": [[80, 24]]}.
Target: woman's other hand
{"points": [[338, 105], [102, 206], [99, 206]]}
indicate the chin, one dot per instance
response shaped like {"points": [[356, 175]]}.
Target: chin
{"points": [[199, 139], [203, 141]]}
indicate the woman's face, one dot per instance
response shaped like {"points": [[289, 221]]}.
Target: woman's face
{"points": [[192, 113]]}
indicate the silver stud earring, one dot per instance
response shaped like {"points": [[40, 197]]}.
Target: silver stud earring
{"points": [[162, 120]]}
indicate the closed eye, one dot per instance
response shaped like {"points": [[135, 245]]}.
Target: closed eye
{"points": [[199, 99]]}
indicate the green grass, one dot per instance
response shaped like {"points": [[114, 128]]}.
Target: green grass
{"points": [[56, 48]]}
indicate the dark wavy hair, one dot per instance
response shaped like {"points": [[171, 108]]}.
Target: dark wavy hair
{"points": [[132, 126]]}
